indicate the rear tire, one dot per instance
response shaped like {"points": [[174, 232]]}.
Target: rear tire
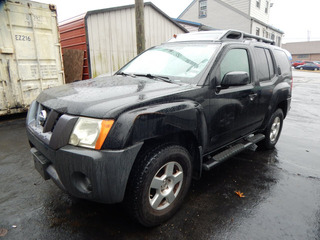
{"points": [[158, 183], [273, 130]]}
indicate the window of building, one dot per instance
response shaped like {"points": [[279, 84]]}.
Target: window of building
{"points": [[234, 61], [267, 35], [278, 41], [202, 8], [258, 3], [267, 7], [304, 56], [272, 36], [258, 31]]}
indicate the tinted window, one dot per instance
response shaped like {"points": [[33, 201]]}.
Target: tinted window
{"points": [[282, 61], [234, 61], [262, 64], [270, 63]]}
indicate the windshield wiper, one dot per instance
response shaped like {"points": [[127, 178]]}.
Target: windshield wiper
{"points": [[126, 74], [163, 78]]}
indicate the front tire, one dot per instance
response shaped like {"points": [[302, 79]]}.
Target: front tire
{"points": [[159, 181], [273, 130]]}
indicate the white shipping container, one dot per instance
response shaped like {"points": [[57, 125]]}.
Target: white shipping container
{"points": [[30, 53]]}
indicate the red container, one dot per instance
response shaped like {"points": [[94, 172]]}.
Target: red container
{"points": [[73, 36]]}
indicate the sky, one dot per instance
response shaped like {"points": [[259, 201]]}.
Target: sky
{"points": [[298, 19]]}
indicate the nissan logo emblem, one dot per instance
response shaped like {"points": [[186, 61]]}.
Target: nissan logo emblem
{"points": [[42, 116]]}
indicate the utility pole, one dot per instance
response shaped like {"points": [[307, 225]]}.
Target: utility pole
{"points": [[139, 9]]}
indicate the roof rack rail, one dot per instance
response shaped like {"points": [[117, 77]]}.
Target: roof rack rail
{"points": [[242, 36]]}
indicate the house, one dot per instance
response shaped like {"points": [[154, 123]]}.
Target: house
{"points": [[304, 50], [251, 16], [102, 41]]}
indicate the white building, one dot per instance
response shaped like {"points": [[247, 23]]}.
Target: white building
{"points": [[251, 16]]}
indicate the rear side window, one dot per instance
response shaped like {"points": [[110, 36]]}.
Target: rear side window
{"points": [[264, 66], [282, 61], [234, 61], [270, 63]]}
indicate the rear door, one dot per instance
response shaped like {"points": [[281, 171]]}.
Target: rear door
{"points": [[267, 77]]}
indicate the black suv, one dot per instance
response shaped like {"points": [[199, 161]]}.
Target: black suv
{"points": [[140, 136]]}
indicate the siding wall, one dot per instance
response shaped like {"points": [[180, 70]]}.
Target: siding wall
{"points": [[266, 31], [218, 16], [259, 13], [241, 5], [158, 29], [112, 37], [111, 40]]}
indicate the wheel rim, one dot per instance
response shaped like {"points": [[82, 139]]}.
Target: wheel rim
{"points": [[165, 185], [275, 128]]}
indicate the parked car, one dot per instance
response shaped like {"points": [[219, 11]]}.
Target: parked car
{"points": [[140, 136], [308, 66], [300, 62], [317, 63]]}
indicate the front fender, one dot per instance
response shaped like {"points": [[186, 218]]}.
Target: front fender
{"points": [[156, 121]]}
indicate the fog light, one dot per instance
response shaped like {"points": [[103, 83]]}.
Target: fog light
{"points": [[81, 182]]}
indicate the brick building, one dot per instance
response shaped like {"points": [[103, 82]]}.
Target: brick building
{"points": [[304, 50]]}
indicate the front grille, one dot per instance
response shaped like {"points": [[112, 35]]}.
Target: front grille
{"points": [[54, 129], [47, 118]]}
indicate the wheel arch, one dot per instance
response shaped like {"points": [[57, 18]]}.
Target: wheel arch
{"points": [[186, 139]]}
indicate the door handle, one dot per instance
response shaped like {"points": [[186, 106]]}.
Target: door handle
{"points": [[253, 96]]}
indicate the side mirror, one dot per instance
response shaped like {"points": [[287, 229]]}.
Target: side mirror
{"points": [[235, 79]]}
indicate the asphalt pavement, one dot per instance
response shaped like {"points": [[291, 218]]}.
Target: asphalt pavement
{"points": [[281, 189]]}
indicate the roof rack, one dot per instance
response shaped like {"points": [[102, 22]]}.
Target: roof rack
{"points": [[219, 35], [242, 36]]}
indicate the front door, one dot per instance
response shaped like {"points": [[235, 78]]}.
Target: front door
{"points": [[233, 110]]}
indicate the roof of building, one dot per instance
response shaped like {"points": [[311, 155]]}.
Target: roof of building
{"points": [[201, 27], [268, 26], [311, 47], [85, 15]]}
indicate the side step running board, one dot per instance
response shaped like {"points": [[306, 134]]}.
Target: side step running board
{"points": [[230, 152]]}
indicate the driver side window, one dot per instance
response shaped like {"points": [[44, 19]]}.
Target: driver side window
{"points": [[236, 60]]}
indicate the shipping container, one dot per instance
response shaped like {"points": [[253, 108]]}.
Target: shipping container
{"points": [[30, 53], [107, 37]]}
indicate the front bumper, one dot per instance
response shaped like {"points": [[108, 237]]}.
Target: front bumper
{"points": [[90, 174], [94, 175]]}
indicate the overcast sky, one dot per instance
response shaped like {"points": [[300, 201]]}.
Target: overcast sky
{"points": [[297, 18]]}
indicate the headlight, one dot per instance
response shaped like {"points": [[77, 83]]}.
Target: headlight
{"points": [[90, 133]]}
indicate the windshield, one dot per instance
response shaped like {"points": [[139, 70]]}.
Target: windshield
{"points": [[176, 61]]}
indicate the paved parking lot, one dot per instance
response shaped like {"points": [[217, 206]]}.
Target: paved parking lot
{"points": [[281, 188]]}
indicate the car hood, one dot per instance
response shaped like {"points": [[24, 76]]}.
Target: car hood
{"points": [[107, 97]]}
